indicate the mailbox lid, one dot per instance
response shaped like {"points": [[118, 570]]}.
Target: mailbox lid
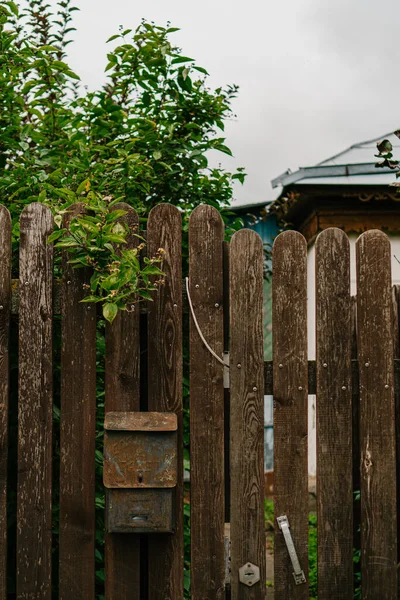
{"points": [[140, 421], [140, 450]]}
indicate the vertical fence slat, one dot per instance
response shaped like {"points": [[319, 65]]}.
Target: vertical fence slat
{"points": [[77, 435], [396, 351], [334, 416], [122, 384], [164, 230], [247, 411], [5, 307], [377, 417], [34, 512], [355, 402], [206, 235], [290, 380]]}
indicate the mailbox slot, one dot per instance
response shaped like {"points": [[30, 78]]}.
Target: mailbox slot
{"points": [[140, 471]]}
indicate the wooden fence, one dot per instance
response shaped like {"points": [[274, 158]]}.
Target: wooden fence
{"points": [[355, 377]]}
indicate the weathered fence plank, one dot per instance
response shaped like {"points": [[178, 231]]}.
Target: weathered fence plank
{"points": [[355, 402], [247, 412], [334, 416], [396, 352], [290, 372], [5, 306], [34, 499], [164, 230], [77, 436], [206, 235], [377, 417], [122, 383]]}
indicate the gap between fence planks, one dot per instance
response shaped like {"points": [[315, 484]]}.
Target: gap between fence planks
{"points": [[122, 387], [377, 416], [289, 324], [35, 405], [5, 303], [206, 235], [247, 412], [77, 435], [164, 230], [334, 416]]}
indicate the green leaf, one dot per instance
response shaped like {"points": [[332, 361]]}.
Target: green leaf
{"points": [[113, 37], [157, 155], [55, 235], [181, 59], [109, 311], [13, 7]]}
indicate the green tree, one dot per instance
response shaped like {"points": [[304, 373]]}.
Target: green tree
{"points": [[144, 137]]}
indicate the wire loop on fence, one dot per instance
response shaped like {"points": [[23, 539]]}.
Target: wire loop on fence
{"points": [[218, 358]]}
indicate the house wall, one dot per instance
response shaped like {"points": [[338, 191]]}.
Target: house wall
{"points": [[395, 243]]}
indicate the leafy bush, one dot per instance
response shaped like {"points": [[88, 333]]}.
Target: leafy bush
{"points": [[144, 137]]}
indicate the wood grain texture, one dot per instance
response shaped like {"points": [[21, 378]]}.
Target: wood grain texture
{"points": [[334, 416], [35, 405], [77, 435], [290, 373], [247, 411], [377, 417], [206, 236], [164, 230], [122, 550], [5, 308]]}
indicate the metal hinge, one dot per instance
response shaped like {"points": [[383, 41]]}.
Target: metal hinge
{"points": [[226, 371], [298, 573], [227, 545]]}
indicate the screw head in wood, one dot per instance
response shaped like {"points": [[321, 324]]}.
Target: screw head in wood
{"points": [[197, 286], [325, 365], [239, 366], [69, 282], [216, 305], [367, 364], [26, 282], [386, 387], [344, 388], [1, 307], [280, 366], [175, 305], [254, 389], [300, 388]]}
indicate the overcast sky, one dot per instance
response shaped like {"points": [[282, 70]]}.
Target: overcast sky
{"points": [[314, 76]]}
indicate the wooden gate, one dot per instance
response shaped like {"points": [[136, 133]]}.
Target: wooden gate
{"points": [[355, 377]]}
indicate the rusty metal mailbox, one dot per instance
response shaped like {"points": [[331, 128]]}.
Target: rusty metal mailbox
{"points": [[140, 471]]}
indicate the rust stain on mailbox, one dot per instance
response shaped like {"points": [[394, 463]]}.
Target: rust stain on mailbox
{"points": [[140, 471]]}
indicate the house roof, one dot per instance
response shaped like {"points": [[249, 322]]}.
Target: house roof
{"points": [[353, 166]]}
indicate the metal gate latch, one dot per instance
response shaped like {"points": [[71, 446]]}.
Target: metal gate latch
{"points": [[249, 574], [298, 573]]}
